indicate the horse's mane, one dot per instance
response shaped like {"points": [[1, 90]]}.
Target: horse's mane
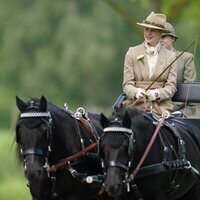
{"points": [[54, 109], [132, 112]]}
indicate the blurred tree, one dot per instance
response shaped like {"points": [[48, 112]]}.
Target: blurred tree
{"points": [[57, 49]]}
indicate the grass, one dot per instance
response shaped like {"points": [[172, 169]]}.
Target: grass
{"points": [[12, 180]]}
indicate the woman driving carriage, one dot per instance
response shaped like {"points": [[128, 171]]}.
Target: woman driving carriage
{"points": [[145, 63]]}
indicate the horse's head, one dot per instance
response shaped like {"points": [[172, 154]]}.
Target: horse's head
{"points": [[116, 147], [33, 136]]}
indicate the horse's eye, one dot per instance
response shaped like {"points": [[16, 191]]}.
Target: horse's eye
{"points": [[43, 128]]}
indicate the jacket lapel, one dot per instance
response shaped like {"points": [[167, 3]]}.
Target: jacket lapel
{"points": [[143, 64], [160, 64]]}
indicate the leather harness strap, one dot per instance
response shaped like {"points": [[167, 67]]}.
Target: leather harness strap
{"points": [[66, 161], [154, 104], [157, 107], [85, 124], [135, 171]]}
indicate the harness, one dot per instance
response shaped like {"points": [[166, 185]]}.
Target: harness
{"points": [[79, 117], [180, 163]]}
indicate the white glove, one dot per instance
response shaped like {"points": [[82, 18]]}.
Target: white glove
{"points": [[153, 94], [139, 93]]}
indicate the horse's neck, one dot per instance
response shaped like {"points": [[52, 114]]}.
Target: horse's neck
{"points": [[143, 135], [70, 135]]}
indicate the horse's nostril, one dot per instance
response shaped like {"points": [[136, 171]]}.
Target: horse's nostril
{"points": [[33, 174], [113, 190], [30, 175]]}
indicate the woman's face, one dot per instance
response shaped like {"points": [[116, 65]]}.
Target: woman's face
{"points": [[152, 36], [167, 41]]}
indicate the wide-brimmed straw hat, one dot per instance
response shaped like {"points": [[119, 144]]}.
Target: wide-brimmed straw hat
{"points": [[171, 30], [155, 21]]}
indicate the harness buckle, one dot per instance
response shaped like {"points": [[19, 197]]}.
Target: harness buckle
{"points": [[128, 187], [165, 115], [46, 166], [80, 112]]}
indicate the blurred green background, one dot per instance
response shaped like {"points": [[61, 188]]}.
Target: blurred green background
{"points": [[72, 51], [12, 181]]}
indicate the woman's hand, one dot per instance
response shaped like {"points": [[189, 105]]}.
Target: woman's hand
{"points": [[153, 95], [139, 93]]}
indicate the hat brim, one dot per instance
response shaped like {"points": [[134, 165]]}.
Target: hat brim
{"points": [[170, 34], [153, 27]]}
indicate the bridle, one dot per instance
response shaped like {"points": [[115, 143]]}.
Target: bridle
{"points": [[33, 113], [130, 175], [47, 119], [115, 126]]}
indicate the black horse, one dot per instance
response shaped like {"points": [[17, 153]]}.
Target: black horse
{"points": [[47, 134], [170, 169]]}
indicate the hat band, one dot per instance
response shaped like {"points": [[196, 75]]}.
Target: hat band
{"points": [[153, 23]]}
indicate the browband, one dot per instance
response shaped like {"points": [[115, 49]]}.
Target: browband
{"points": [[118, 129], [35, 114]]}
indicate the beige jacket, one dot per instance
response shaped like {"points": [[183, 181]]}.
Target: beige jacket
{"points": [[136, 70], [186, 73]]}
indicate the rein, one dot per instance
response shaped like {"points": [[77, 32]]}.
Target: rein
{"points": [[80, 115], [135, 171], [66, 161]]}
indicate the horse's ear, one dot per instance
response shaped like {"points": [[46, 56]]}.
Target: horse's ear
{"points": [[20, 104], [104, 120], [127, 120], [43, 104]]}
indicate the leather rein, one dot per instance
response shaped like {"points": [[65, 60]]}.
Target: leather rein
{"points": [[66, 161], [135, 171], [87, 125]]}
